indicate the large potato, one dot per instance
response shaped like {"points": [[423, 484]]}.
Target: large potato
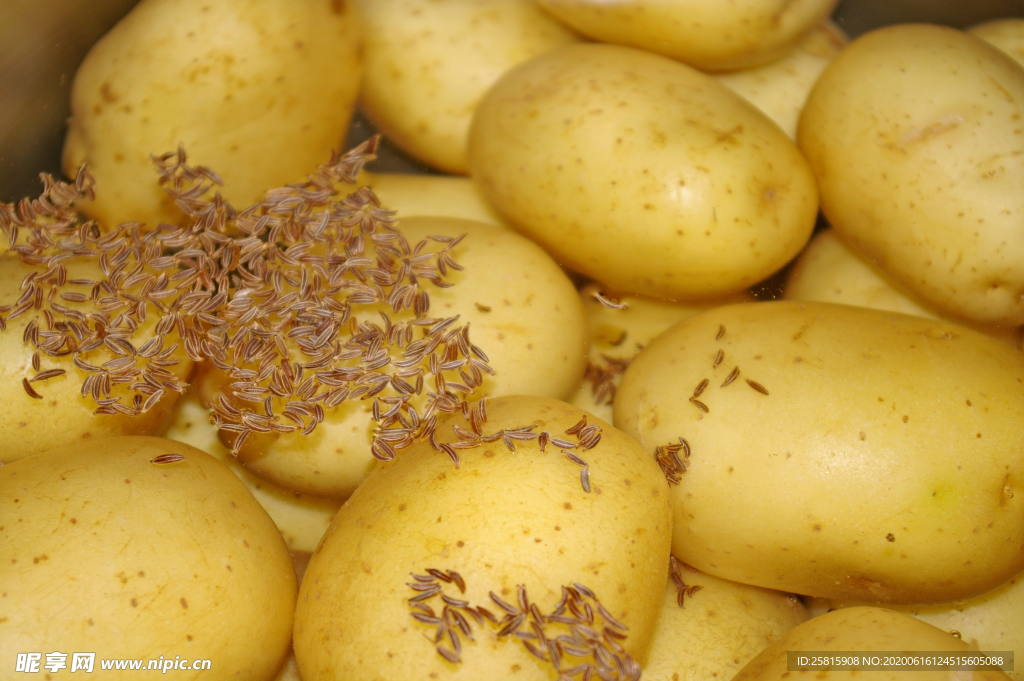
{"points": [[828, 272], [428, 63], [1006, 34], [61, 415], [780, 88], [302, 519], [719, 627], [862, 629], [915, 136], [713, 36], [501, 519], [992, 621], [435, 195], [642, 173], [103, 548], [522, 310], [259, 90], [617, 334], [857, 454]]}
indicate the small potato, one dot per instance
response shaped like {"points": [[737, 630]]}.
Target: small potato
{"points": [[712, 36], [259, 90], [862, 629], [828, 272], [718, 628], [780, 88], [428, 63], [837, 451], [617, 335], [914, 134], [500, 519], [432, 195], [522, 310], [61, 415], [1006, 34], [989, 622], [642, 173], [140, 547], [301, 518]]}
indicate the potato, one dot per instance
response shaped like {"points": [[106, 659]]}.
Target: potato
{"points": [[828, 272], [862, 629], [434, 195], [260, 91], [913, 133], [989, 622], [302, 519], [616, 335], [780, 88], [428, 62], [62, 416], [500, 519], [1007, 35], [708, 35], [858, 454], [114, 552], [642, 173], [719, 628], [524, 313]]}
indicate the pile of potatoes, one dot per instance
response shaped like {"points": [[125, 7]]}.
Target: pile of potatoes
{"points": [[730, 477]]}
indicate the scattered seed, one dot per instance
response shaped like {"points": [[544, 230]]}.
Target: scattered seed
{"points": [[167, 458], [700, 388], [700, 405], [608, 301], [733, 375], [757, 386], [28, 389], [721, 332]]}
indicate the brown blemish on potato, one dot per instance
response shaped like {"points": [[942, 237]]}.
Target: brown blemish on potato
{"points": [[134, 603], [184, 604]]}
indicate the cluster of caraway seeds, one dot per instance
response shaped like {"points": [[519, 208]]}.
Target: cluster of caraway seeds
{"points": [[269, 295], [579, 627]]}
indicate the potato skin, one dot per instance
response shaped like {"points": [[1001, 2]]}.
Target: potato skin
{"points": [[868, 629], [914, 134], [886, 460], [501, 519], [259, 90], [428, 63], [30, 425], [1006, 34], [829, 272], [302, 519], [719, 629], [711, 36], [780, 88], [641, 172], [412, 195], [114, 554]]}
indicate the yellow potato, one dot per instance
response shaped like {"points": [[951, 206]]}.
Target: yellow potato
{"points": [[434, 195], [989, 622], [712, 36], [828, 272], [1006, 34], [642, 173], [301, 518], [862, 629], [522, 310], [721, 627], [616, 335], [62, 416], [103, 549], [428, 63], [500, 520], [260, 91], [913, 132], [780, 88], [857, 454]]}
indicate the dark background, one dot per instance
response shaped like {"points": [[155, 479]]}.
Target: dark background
{"points": [[42, 42]]}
